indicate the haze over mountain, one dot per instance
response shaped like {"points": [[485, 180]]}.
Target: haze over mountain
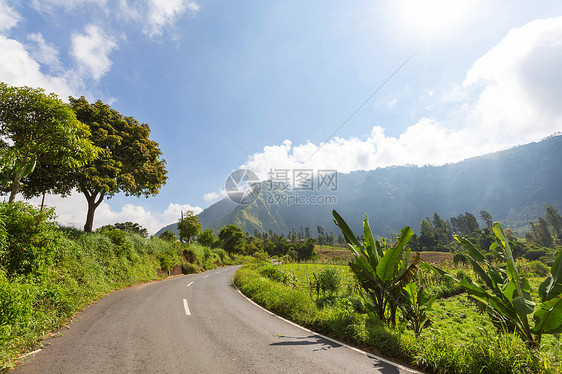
{"points": [[514, 185]]}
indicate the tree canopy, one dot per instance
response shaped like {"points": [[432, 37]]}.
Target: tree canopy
{"points": [[188, 225], [129, 162], [232, 239], [39, 129]]}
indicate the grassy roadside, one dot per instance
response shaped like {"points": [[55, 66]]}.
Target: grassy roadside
{"points": [[461, 340], [48, 274]]}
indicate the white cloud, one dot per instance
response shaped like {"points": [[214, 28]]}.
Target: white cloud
{"points": [[18, 68], [91, 51], [162, 13], [173, 212], [426, 142], [510, 96], [521, 84], [211, 197], [45, 53], [55, 6], [8, 17], [71, 211]]}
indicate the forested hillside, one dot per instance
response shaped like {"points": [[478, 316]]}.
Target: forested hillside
{"points": [[513, 185]]}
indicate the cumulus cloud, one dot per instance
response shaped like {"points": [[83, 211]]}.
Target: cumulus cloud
{"points": [[157, 15], [426, 142], [511, 95], [521, 84], [91, 51], [162, 13], [8, 17], [71, 211], [211, 197], [45, 53], [19, 68]]}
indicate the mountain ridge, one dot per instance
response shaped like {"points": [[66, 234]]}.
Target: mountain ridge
{"points": [[514, 185]]}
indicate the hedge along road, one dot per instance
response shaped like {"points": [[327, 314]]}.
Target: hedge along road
{"points": [[196, 323]]}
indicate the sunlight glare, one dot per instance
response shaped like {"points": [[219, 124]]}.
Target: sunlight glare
{"points": [[430, 19]]}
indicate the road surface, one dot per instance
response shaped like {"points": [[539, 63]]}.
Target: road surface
{"points": [[195, 323]]}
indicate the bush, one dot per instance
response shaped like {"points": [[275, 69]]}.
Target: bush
{"points": [[538, 268], [189, 268], [273, 272], [328, 281], [27, 238]]}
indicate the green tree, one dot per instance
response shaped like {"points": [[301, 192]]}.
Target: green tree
{"points": [[39, 129], [169, 236], [188, 225], [129, 162], [428, 239], [553, 218], [232, 239], [134, 228], [207, 238], [540, 234], [487, 218]]}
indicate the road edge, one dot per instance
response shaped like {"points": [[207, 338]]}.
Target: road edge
{"points": [[368, 354]]}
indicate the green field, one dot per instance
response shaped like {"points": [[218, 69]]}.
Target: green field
{"points": [[460, 339]]}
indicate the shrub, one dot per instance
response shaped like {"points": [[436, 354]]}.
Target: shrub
{"points": [[27, 238], [189, 268], [273, 272], [328, 281], [538, 268]]}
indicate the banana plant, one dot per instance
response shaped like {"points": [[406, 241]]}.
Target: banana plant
{"points": [[415, 308], [382, 270], [505, 294]]}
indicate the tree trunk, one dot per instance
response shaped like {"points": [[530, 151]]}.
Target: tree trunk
{"points": [[92, 205], [42, 202], [16, 184]]}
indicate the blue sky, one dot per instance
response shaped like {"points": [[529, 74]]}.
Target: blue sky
{"points": [[281, 76]]}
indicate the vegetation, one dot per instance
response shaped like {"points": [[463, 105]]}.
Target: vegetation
{"points": [[130, 162], [433, 320], [48, 273], [38, 130], [232, 239], [188, 226]]}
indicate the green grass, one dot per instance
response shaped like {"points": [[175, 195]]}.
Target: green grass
{"points": [[47, 274], [460, 339]]}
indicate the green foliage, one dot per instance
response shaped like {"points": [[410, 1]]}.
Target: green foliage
{"points": [[27, 238], [188, 226], [131, 227], [540, 234], [129, 161], [47, 274], [538, 268], [207, 238], [327, 281], [39, 131], [277, 297], [169, 236], [232, 239], [415, 309], [506, 295], [382, 270]]}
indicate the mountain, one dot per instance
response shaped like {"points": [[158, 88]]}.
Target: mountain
{"points": [[514, 185]]}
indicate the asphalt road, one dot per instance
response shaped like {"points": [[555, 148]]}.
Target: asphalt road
{"points": [[195, 323]]}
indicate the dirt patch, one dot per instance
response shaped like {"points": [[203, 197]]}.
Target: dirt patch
{"points": [[329, 253], [437, 257]]}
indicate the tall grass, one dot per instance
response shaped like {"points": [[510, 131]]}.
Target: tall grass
{"points": [[461, 339], [47, 274]]}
